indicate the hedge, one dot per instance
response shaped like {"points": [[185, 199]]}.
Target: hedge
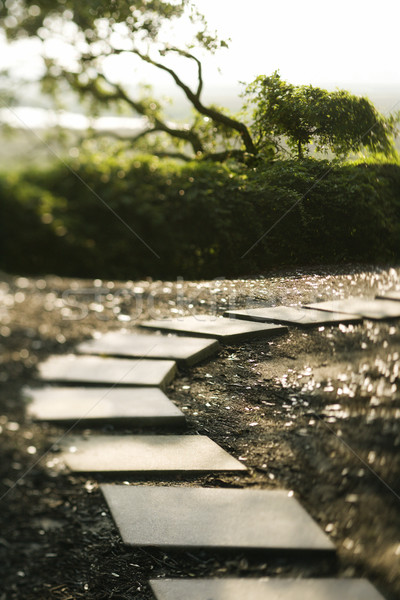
{"points": [[126, 217]]}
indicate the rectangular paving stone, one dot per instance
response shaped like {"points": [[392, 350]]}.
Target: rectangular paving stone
{"points": [[99, 370], [364, 307], [290, 315], [186, 351], [96, 405], [391, 295], [146, 454], [189, 517], [264, 589], [224, 330]]}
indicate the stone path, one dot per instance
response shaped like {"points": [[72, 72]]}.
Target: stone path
{"points": [[186, 351], [117, 371], [393, 295], [224, 330], [146, 454], [367, 309], [263, 589], [188, 517], [140, 407], [301, 317], [179, 516]]}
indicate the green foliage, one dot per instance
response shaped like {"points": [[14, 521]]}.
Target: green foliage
{"points": [[202, 219], [334, 121], [144, 16], [345, 212]]}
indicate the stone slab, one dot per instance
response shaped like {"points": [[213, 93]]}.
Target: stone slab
{"points": [[290, 315], [96, 405], [98, 370], [220, 328], [390, 295], [264, 589], [186, 351], [364, 307], [191, 517], [146, 454]]}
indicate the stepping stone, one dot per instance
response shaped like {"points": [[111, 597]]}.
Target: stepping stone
{"points": [[224, 330], [391, 295], [98, 370], [189, 517], [147, 454], [366, 308], [95, 405], [186, 351], [302, 317], [264, 589]]}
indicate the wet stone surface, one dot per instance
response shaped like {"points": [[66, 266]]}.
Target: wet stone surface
{"points": [[292, 316], [97, 405], [219, 518], [185, 350], [391, 295], [98, 370], [264, 589], [367, 308], [223, 329], [146, 454]]}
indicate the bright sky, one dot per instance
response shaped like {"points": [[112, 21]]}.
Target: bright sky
{"points": [[309, 41], [346, 43]]}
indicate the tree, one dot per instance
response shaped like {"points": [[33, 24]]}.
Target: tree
{"points": [[92, 31], [336, 121]]}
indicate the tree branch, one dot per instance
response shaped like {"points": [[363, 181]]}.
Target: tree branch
{"points": [[239, 155], [96, 133], [188, 135], [213, 114], [178, 155], [118, 93], [197, 61]]}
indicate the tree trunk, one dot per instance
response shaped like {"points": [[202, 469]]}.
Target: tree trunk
{"points": [[299, 150]]}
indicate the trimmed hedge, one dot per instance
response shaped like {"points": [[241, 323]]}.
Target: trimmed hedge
{"points": [[196, 219]]}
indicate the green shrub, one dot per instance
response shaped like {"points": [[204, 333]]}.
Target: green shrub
{"points": [[197, 219], [348, 212]]}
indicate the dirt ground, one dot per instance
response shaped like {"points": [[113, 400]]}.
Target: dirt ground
{"points": [[316, 411]]}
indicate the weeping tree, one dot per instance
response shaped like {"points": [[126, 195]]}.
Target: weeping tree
{"points": [[89, 33], [337, 121]]}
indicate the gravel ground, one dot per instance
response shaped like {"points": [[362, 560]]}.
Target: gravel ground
{"points": [[316, 411]]}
